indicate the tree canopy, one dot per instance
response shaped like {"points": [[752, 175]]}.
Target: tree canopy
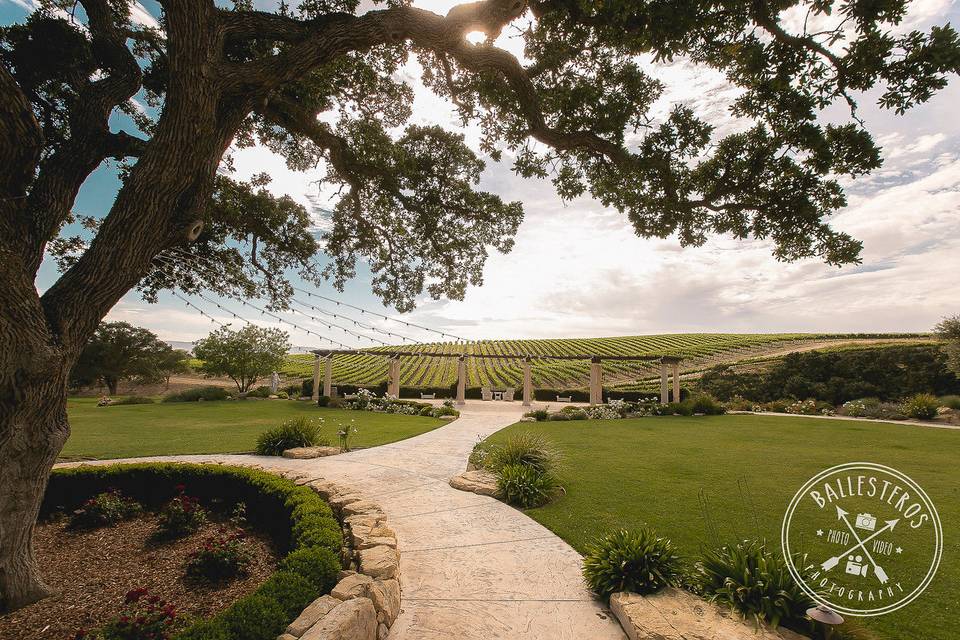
{"points": [[579, 109], [244, 356], [120, 351], [948, 330]]}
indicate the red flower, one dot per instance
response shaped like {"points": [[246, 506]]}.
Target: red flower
{"points": [[180, 488]]}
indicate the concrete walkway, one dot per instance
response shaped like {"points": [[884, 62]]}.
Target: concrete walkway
{"points": [[472, 567]]}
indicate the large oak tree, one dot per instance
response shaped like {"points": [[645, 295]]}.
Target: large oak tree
{"points": [[578, 110]]}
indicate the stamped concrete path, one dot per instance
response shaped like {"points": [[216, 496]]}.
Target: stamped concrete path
{"points": [[471, 566]]}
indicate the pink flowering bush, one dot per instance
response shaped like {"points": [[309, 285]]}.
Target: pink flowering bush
{"points": [[144, 617]]}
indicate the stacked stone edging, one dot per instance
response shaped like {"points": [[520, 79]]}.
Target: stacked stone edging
{"points": [[365, 603]]}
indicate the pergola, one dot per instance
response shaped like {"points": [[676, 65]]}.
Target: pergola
{"points": [[669, 368]]}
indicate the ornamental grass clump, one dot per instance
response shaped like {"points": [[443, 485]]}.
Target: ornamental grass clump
{"points": [[638, 561], [293, 433], [922, 406], [754, 580], [105, 509], [526, 449], [525, 487]]}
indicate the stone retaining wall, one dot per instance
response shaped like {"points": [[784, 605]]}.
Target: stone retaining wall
{"points": [[366, 601]]}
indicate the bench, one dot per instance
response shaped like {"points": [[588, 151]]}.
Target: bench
{"points": [[349, 396], [564, 398], [428, 396]]}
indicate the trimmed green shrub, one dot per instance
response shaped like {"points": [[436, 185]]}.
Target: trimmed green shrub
{"points": [[754, 580], [296, 432], [539, 415], [105, 509], [213, 629], [323, 401], [209, 392], [317, 565], [317, 531], [921, 406], [256, 617], [525, 449], [680, 409], [637, 561], [133, 400], [524, 486], [291, 591]]}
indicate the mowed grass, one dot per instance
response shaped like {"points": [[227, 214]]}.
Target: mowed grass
{"points": [[174, 428], [626, 472]]}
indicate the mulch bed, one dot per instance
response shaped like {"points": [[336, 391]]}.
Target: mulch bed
{"points": [[93, 570]]}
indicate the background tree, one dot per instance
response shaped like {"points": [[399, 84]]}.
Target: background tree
{"points": [[578, 110], [948, 330], [120, 351], [173, 362], [244, 356]]}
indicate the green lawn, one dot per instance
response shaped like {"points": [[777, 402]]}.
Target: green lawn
{"points": [[213, 427], [626, 472]]}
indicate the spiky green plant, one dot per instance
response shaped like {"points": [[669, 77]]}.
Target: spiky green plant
{"points": [[639, 561]]}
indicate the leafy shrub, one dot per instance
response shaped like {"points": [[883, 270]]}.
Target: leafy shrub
{"points": [[754, 580], [323, 401], [209, 392], [706, 404], [444, 410], [134, 400], [426, 411], [739, 403], [262, 391], [291, 591], [222, 557], [525, 486], [637, 561], [181, 516], [296, 432], [854, 408], [950, 401], [539, 415], [558, 417], [283, 395], [143, 617], [256, 617], [680, 409], [293, 390], [319, 566], [921, 406], [105, 509], [524, 449], [317, 531]]}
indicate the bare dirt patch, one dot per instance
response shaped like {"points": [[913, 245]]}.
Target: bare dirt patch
{"points": [[93, 570]]}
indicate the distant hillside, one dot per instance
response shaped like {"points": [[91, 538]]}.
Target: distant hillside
{"points": [[699, 350]]}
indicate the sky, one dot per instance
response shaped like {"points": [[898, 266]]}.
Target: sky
{"points": [[578, 270]]}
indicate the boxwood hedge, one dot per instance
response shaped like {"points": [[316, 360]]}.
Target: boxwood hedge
{"points": [[301, 524]]}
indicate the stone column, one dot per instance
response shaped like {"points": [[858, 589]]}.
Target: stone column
{"points": [[596, 381], [316, 378], [527, 383], [664, 394], [328, 377], [676, 382], [393, 385], [462, 381]]}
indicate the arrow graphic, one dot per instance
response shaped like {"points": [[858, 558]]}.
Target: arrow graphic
{"points": [[830, 563], [877, 569]]}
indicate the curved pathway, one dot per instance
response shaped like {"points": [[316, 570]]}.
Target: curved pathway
{"points": [[471, 566]]}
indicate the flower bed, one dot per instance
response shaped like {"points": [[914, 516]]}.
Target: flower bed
{"points": [[299, 522]]}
